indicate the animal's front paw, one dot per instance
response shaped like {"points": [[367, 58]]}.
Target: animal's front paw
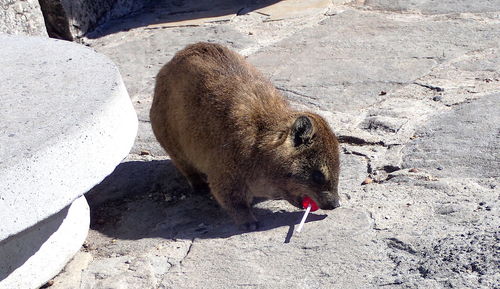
{"points": [[249, 226]]}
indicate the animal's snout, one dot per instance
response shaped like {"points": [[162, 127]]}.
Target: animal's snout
{"points": [[331, 205], [330, 201]]}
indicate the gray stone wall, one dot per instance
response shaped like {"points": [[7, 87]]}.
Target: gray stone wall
{"points": [[21, 17], [62, 19], [69, 19]]}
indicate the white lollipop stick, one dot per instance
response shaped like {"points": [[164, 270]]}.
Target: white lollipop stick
{"points": [[304, 219]]}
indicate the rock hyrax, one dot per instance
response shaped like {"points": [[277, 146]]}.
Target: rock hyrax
{"points": [[230, 131]]}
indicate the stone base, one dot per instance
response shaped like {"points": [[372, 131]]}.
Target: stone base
{"points": [[30, 258]]}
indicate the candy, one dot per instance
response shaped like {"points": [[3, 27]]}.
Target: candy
{"points": [[308, 201], [310, 205]]}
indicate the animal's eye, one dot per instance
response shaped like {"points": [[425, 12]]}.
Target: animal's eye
{"points": [[318, 177]]}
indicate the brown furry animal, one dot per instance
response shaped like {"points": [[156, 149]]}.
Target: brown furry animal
{"points": [[228, 129]]}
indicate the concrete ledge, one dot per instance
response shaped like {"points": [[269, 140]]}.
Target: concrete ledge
{"points": [[40, 252], [67, 121]]}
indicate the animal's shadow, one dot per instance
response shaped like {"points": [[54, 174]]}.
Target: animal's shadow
{"points": [[165, 12], [152, 199]]}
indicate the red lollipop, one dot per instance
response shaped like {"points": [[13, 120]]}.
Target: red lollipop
{"points": [[308, 201], [310, 205]]}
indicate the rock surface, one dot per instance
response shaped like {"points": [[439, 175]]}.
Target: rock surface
{"points": [[21, 17], [410, 89], [70, 20]]}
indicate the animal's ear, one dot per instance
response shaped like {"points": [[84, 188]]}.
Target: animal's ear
{"points": [[302, 131]]}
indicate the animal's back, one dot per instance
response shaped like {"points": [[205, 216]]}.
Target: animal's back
{"points": [[208, 98]]}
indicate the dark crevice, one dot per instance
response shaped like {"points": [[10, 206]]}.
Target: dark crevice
{"points": [[435, 88], [395, 243], [188, 251], [56, 20], [390, 168], [369, 168], [357, 141]]}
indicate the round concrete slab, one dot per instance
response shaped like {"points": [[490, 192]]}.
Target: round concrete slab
{"points": [[39, 253], [67, 121]]}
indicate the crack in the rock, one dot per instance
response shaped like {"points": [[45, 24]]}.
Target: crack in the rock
{"points": [[349, 152], [159, 280], [432, 87], [390, 168], [465, 101], [367, 158], [397, 244], [353, 140], [369, 168], [398, 282], [295, 92], [374, 223], [187, 253], [426, 57], [306, 99]]}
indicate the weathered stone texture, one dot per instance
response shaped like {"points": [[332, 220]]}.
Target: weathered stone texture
{"points": [[21, 17], [67, 19]]}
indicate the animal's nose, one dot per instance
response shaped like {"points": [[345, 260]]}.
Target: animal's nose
{"points": [[330, 201], [331, 205]]}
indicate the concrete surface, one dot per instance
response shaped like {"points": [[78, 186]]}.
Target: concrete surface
{"points": [[67, 122], [412, 91], [35, 255], [21, 17]]}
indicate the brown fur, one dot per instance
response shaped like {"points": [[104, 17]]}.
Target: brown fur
{"points": [[227, 128]]}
